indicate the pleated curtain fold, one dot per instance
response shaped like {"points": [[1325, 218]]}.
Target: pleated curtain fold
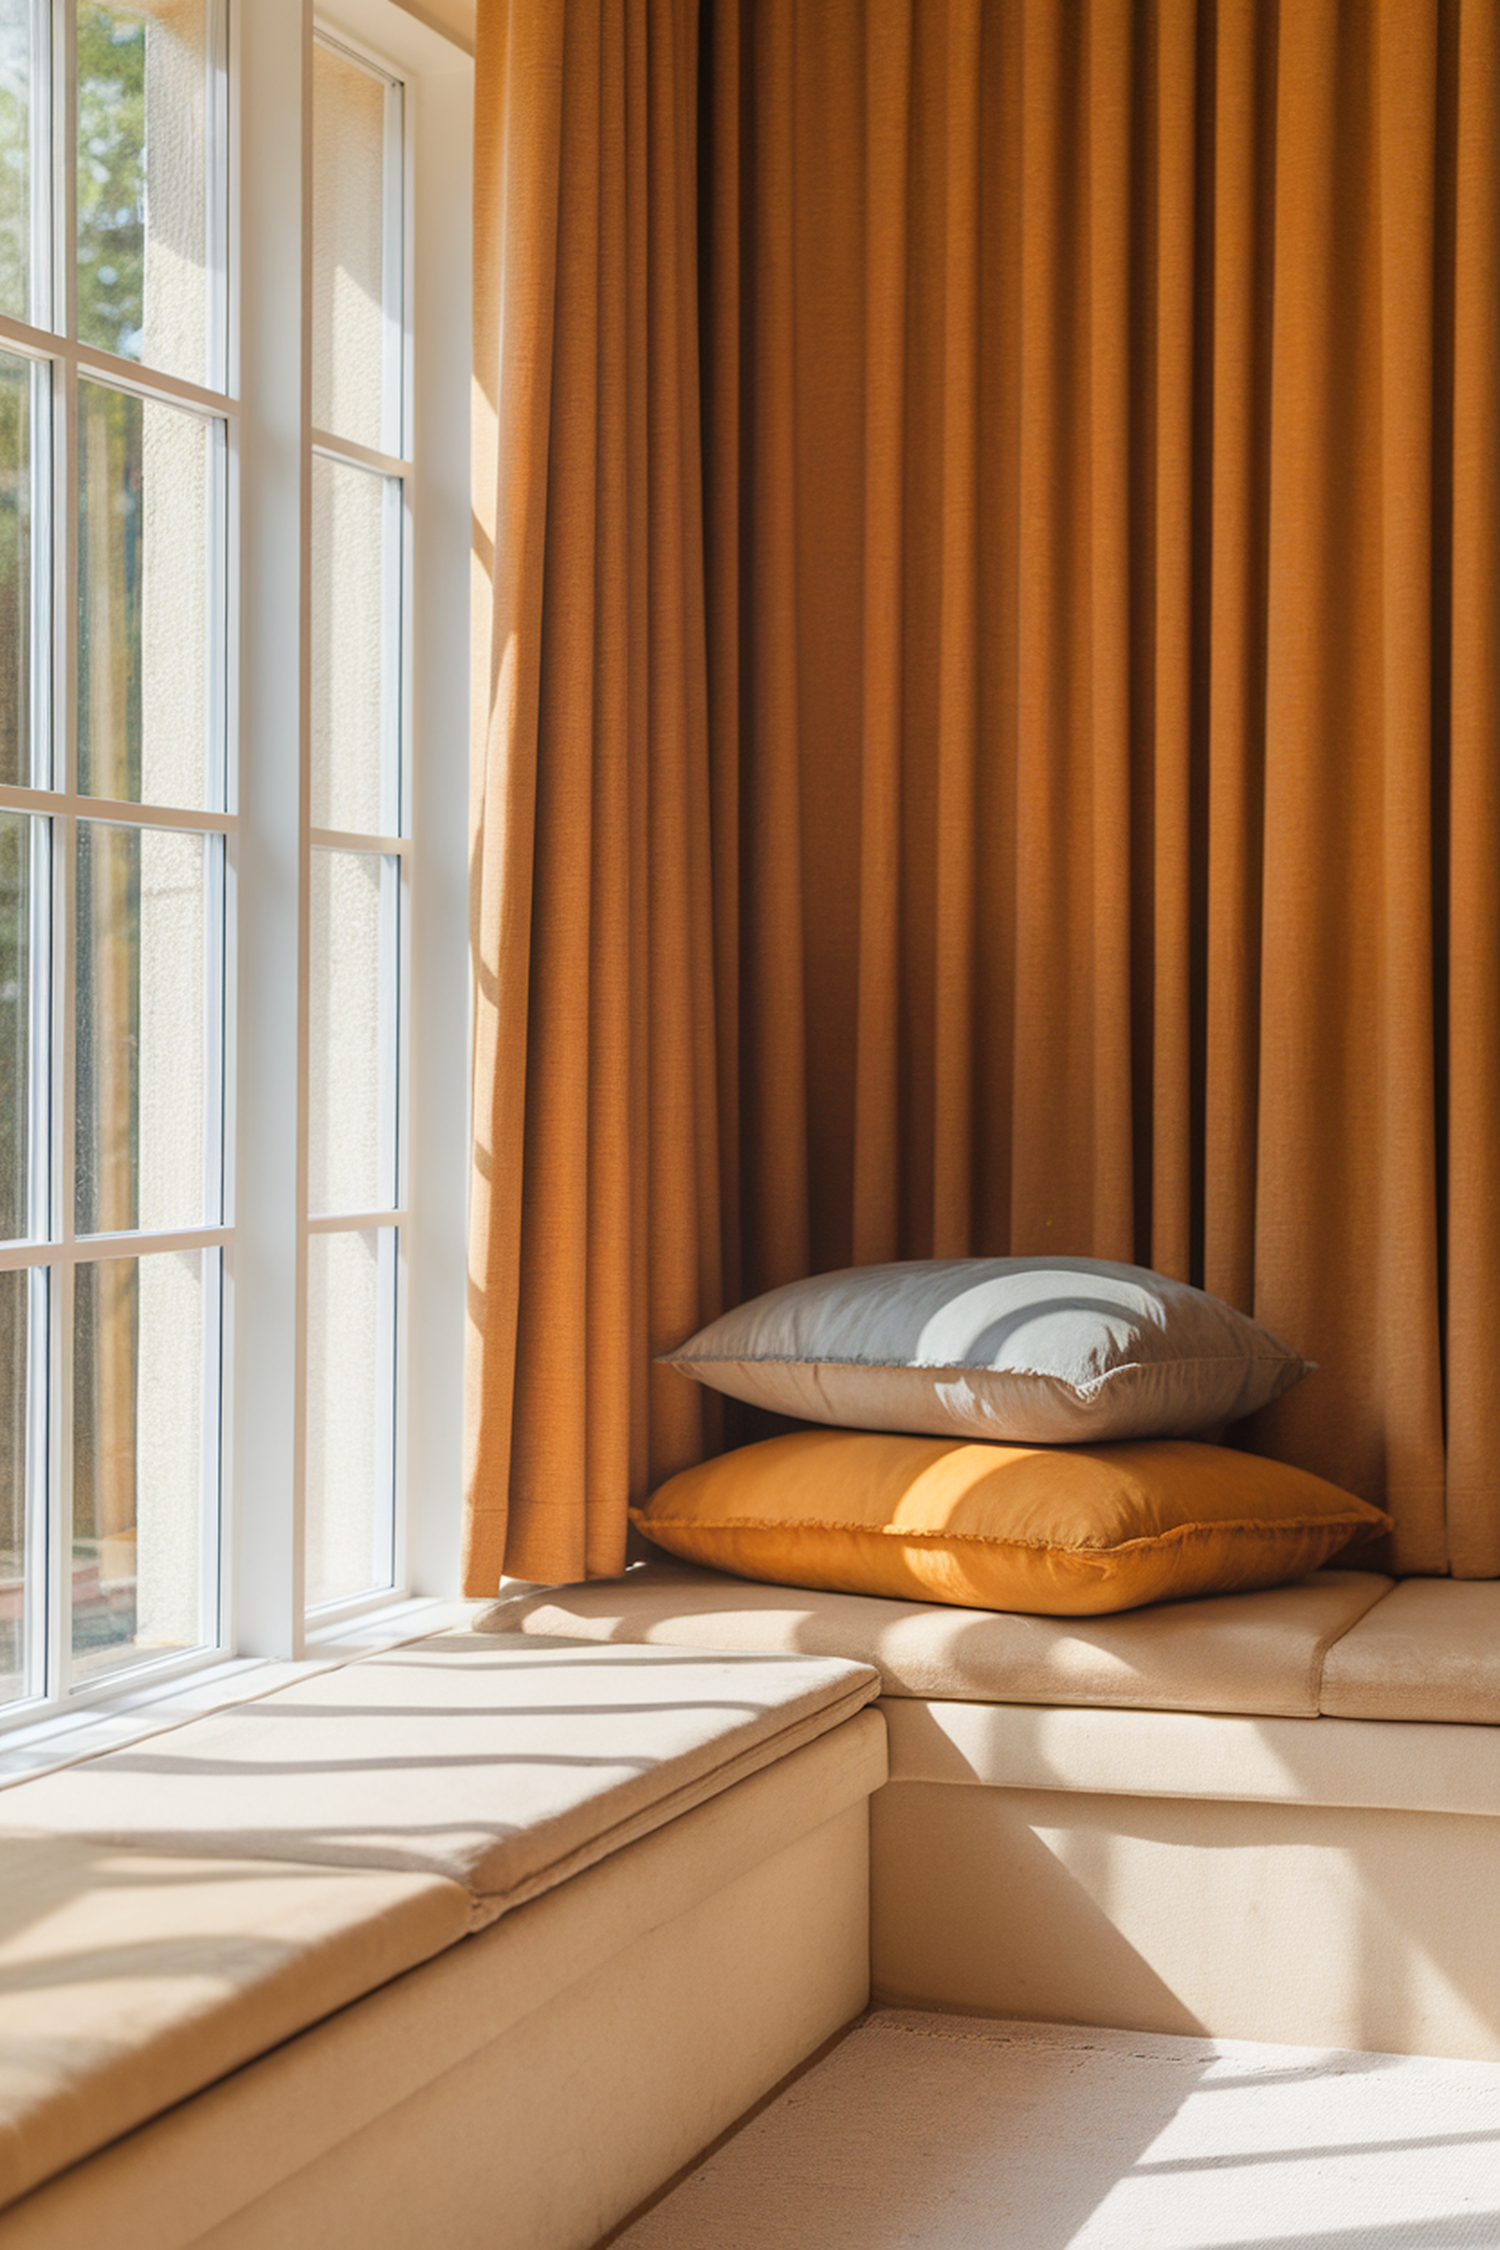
{"points": [[595, 1201], [991, 739]]}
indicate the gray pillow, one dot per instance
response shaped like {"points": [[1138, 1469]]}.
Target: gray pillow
{"points": [[1034, 1351]]}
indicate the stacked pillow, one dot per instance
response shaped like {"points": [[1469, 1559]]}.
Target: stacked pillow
{"points": [[1009, 1433]]}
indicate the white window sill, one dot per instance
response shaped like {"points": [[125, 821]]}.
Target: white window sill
{"points": [[156, 1705]]}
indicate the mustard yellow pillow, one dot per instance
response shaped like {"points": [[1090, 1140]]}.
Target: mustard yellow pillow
{"points": [[1065, 1531]]}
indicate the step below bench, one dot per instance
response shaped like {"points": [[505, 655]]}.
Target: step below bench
{"points": [[471, 1943], [1268, 1816]]}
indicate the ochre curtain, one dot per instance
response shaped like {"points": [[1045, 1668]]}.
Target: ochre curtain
{"points": [[1102, 723], [595, 1201]]}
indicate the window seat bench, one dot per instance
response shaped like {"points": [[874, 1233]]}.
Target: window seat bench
{"points": [[478, 1940], [1267, 1816], [473, 1942]]}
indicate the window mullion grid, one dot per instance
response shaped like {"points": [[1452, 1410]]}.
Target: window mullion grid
{"points": [[49, 684], [62, 153], [354, 840], [395, 840], [395, 516], [56, 808], [89, 1249], [211, 1237], [46, 584], [119, 374], [213, 1604], [52, 1255], [60, 1286], [39, 1584], [404, 705], [215, 1595], [119, 812], [403, 764], [394, 850], [216, 240], [394, 288], [396, 1269], [42, 251], [40, 1332], [62, 776]]}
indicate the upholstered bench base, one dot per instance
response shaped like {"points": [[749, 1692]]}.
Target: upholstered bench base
{"points": [[1327, 1882], [469, 1941], [526, 2088], [1313, 1925], [1154, 1821]]}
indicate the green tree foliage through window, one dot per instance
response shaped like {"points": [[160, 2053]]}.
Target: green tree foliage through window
{"points": [[111, 177], [15, 158]]}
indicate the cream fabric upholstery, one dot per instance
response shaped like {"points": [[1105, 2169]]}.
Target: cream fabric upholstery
{"points": [[1318, 1925], [553, 2068], [1259, 1653], [128, 1981], [1351, 1762], [554, 2132], [502, 1765], [1431, 1651]]}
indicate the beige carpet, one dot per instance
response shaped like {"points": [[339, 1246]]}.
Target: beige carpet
{"points": [[936, 2132]]}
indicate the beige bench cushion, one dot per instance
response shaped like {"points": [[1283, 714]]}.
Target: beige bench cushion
{"points": [[128, 1981], [594, 1999], [501, 1764], [1257, 1653], [1430, 1651]]}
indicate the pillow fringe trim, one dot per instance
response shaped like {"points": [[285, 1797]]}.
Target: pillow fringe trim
{"points": [[1247, 1526]]}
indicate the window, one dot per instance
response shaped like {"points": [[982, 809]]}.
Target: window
{"points": [[114, 821], [358, 826], [231, 842]]}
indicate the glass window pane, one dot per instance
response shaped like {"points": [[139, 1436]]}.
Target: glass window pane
{"points": [[143, 175], [351, 1295], [352, 1032], [356, 252], [15, 568], [15, 1024], [145, 718], [139, 1349], [17, 75], [356, 643], [140, 1076], [16, 1290]]}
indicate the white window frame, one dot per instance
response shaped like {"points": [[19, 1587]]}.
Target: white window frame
{"points": [[275, 839], [270, 451], [55, 1258]]}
